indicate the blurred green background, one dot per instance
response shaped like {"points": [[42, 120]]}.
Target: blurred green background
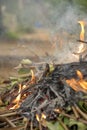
{"points": [[25, 15]]}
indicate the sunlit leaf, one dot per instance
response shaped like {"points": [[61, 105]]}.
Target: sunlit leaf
{"points": [[26, 61]]}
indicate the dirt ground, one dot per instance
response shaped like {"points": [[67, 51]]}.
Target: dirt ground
{"points": [[31, 46]]}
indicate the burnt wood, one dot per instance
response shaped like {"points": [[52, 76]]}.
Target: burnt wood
{"points": [[53, 92], [69, 70]]}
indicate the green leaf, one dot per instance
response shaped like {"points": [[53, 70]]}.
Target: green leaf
{"points": [[23, 71], [54, 126], [51, 67], [66, 120], [83, 106], [26, 61], [80, 125]]}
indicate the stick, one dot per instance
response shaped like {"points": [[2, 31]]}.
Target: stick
{"points": [[9, 114], [11, 128], [72, 117], [31, 126], [82, 41], [63, 125], [40, 126], [19, 118], [84, 115], [9, 122], [6, 111], [75, 112]]}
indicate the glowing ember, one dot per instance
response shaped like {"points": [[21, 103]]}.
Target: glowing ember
{"points": [[17, 100], [82, 23], [78, 85]]}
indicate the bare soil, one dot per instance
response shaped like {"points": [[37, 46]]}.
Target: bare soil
{"points": [[31, 46]]}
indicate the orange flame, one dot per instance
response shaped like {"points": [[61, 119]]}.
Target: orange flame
{"points": [[17, 100], [78, 85], [82, 23]]}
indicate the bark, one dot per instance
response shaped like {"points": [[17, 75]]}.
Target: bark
{"points": [[1, 21]]}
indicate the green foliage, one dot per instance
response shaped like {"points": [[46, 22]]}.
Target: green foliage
{"points": [[12, 36], [54, 126], [23, 67], [81, 2], [83, 106], [79, 125]]}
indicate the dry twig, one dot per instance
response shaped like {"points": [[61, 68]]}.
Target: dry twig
{"points": [[72, 117], [75, 112], [63, 125], [84, 115]]}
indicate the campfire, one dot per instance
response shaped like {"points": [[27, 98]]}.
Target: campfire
{"points": [[45, 96]]}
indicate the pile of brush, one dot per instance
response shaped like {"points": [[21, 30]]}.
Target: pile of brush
{"points": [[59, 94]]}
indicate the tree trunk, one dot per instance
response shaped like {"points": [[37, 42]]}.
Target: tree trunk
{"points": [[1, 21]]}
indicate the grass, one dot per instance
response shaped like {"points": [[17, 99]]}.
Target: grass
{"points": [[12, 35]]}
